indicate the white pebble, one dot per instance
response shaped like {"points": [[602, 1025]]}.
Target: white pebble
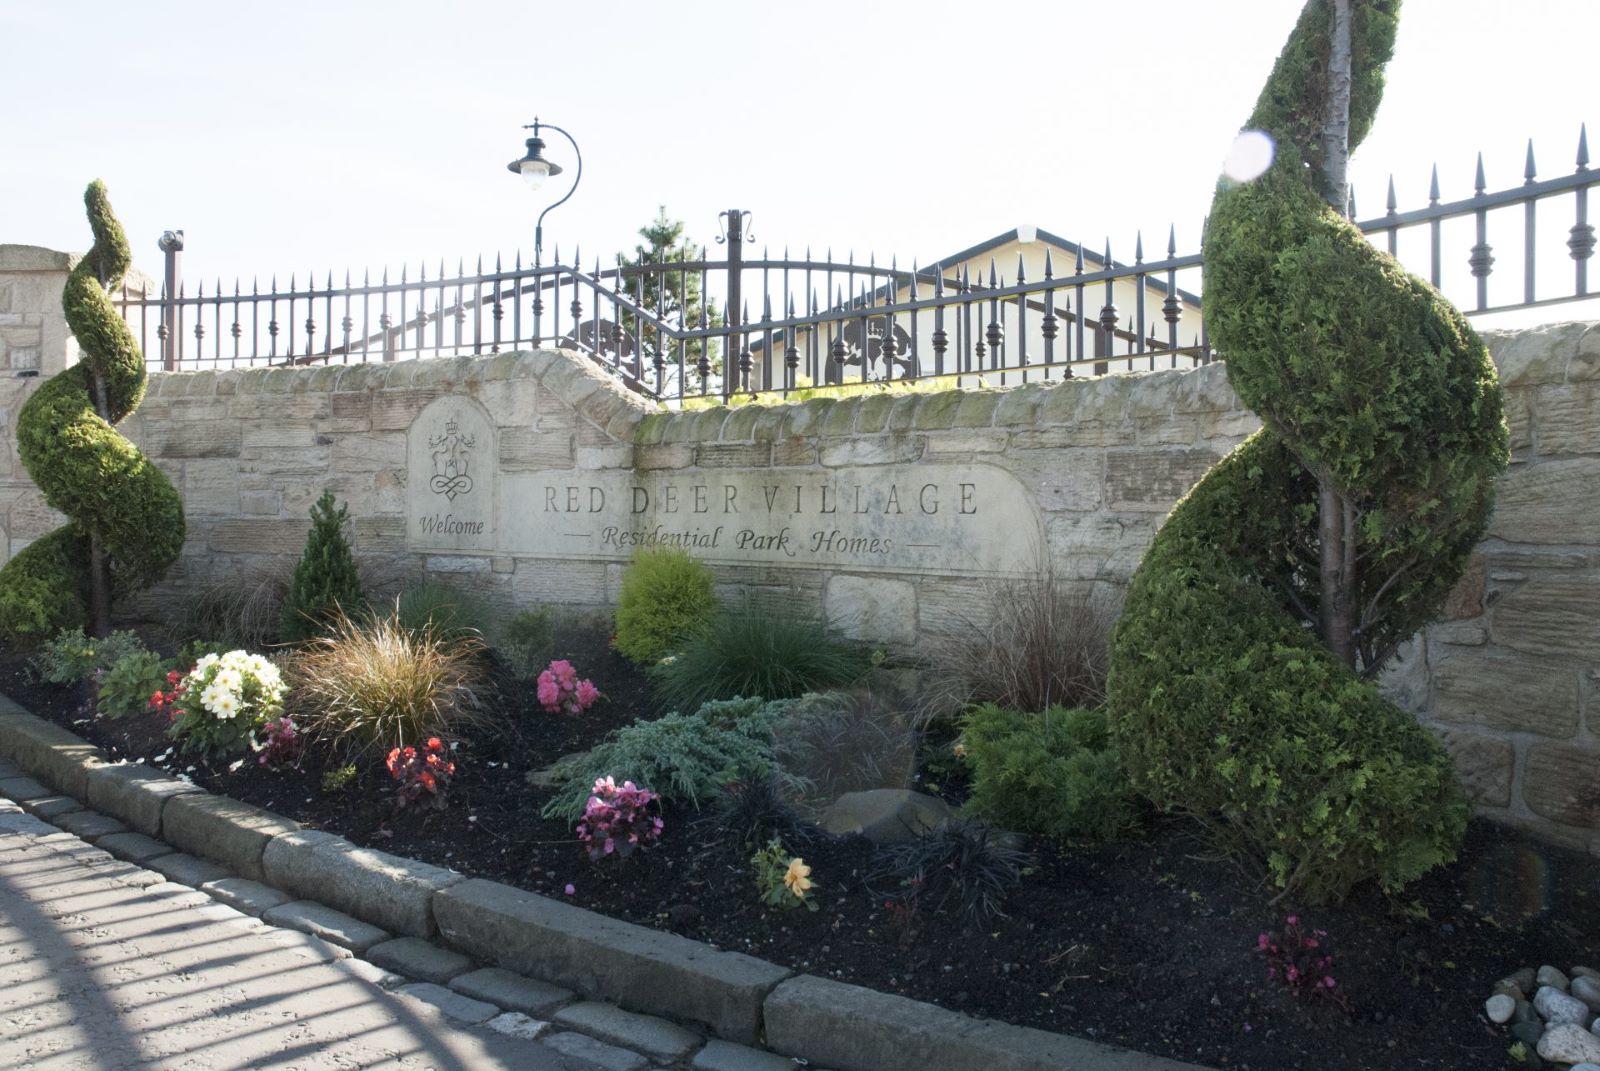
{"points": [[1499, 1008]]}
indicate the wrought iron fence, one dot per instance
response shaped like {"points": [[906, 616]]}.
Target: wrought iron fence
{"points": [[1058, 310]]}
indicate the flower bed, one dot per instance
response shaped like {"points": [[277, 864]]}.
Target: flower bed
{"points": [[1145, 942]]}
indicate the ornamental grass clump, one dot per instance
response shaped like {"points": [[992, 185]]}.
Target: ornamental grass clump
{"points": [[221, 703], [963, 863], [374, 684], [757, 650]]}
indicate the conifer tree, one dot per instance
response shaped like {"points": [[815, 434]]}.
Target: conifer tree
{"points": [[325, 580]]}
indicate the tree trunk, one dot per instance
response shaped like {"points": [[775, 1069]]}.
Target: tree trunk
{"points": [[1336, 522]]}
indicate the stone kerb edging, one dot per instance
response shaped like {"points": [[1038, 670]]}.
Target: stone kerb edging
{"points": [[738, 997]]}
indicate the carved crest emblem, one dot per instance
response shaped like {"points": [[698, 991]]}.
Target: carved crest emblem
{"points": [[452, 456]]}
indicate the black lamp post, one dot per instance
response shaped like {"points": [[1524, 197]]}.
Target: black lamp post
{"points": [[535, 169]]}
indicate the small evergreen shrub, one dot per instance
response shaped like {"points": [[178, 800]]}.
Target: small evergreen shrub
{"points": [[337, 779], [754, 650], [685, 758], [373, 685], [126, 687], [1053, 774], [71, 656], [666, 597], [325, 581]]}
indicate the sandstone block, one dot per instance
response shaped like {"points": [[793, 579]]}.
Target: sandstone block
{"points": [[733, 455], [525, 449], [872, 609], [1562, 783], [1549, 502], [259, 536], [1483, 765], [1151, 480], [1556, 613], [1506, 693], [876, 450]]}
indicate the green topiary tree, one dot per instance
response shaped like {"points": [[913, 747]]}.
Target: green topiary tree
{"points": [[124, 518], [325, 580], [1368, 487]]}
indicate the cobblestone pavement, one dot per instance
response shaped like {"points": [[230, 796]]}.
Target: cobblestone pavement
{"points": [[106, 966]]}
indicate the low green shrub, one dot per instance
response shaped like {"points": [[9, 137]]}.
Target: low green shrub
{"points": [[372, 685], [754, 650], [686, 758], [339, 778], [70, 656], [666, 596], [1054, 774], [125, 688]]}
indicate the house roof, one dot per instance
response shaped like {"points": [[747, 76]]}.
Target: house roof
{"points": [[1013, 235]]}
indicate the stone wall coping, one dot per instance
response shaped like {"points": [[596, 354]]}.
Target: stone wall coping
{"points": [[35, 258], [566, 374], [708, 982]]}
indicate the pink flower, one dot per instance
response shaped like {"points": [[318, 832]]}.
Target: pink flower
{"points": [[1293, 920], [570, 889], [587, 694]]}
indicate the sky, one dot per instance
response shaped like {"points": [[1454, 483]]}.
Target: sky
{"points": [[314, 136]]}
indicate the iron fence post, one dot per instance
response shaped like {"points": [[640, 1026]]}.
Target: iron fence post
{"points": [[171, 244], [730, 353]]}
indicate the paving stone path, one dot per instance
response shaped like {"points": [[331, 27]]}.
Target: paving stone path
{"points": [[105, 965]]}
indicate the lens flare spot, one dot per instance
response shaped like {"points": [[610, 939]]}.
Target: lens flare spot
{"points": [[1250, 156]]}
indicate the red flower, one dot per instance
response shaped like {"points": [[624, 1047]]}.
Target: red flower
{"points": [[434, 743]]}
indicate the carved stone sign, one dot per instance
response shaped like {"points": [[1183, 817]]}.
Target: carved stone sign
{"points": [[451, 457], [946, 518]]}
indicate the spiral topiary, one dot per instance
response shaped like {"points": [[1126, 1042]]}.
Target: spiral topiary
{"points": [[84, 468], [1224, 699]]}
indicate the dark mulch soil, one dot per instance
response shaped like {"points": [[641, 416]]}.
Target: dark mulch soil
{"points": [[1147, 943]]}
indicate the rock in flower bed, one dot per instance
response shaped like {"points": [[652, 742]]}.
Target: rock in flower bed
{"points": [[1560, 1022]]}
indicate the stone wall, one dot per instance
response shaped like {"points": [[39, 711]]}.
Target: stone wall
{"points": [[530, 477]]}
